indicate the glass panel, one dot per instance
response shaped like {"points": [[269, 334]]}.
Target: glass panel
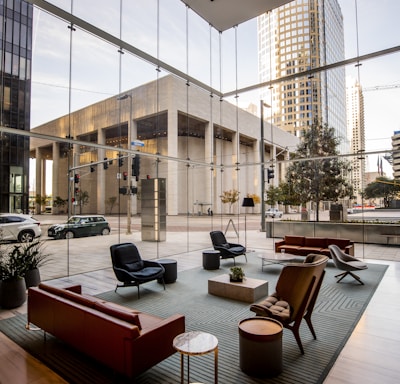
{"points": [[206, 150], [104, 15], [50, 69], [139, 25]]}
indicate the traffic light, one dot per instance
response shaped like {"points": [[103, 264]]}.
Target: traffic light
{"points": [[136, 167], [76, 191], [105, 163], [120, 161], [76, 178], [270, 174], [125, 175], [92, 168]]}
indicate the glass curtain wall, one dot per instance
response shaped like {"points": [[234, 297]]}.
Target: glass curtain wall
{"points": [[152, 85]]}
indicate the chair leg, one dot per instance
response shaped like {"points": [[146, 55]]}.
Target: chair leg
{"points": [[138, 292], [307, 318], [296, 334], [245, 256], [344, 274], [356, 277]]}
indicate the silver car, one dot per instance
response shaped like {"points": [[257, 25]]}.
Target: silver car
{"points": [[18, 227]]}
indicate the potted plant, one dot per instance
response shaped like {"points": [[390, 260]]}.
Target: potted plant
{"points": [[236, 275], [34, 257], [12, 270]]}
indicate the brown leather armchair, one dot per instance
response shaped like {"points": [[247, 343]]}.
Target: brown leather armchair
{"points": [[295, 296]]}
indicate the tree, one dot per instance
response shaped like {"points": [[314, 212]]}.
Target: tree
{"points": [[273, 195], [382, 187], [111, 202], [82, 197], [317, 173], [59, 202], [41, 201], [288, 196], [230, 197]]}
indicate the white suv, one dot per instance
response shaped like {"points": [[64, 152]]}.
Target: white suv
{"points": [[18, 227], [273, 212]]}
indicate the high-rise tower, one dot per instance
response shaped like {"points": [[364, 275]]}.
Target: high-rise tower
{"points": [[15, 91], [356, 131], [297, 37]]}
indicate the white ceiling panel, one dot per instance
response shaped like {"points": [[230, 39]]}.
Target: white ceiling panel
{"points": [[225, 14]]}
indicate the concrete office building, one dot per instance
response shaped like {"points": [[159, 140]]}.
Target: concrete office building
{"points": [[218, 146], [396, 154], [297, 37]]}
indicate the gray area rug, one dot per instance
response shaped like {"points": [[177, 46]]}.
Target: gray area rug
{"points": [[338, 310]]}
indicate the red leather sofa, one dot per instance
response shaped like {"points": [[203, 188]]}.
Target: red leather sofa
{"points": [[124, 339], [302, 246]]}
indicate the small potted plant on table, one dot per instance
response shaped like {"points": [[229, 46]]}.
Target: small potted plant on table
{"points": [[236, 275]]}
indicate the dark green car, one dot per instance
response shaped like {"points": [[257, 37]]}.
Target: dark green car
{"points": [[80, 226]]}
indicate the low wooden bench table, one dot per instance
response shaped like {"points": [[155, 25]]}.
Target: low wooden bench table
{"points": [[250, 290]]}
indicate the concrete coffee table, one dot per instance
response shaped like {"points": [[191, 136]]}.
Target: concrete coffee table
{"points": [[250, 290]]}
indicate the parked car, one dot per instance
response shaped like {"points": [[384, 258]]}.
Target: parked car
{"points": [[273, 212], [80, 226], [18, 227]]}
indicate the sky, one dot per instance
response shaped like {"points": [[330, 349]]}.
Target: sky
{"points": [[98, 73]]}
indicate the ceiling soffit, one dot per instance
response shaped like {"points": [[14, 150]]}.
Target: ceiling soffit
{"points": [[225, 14]]}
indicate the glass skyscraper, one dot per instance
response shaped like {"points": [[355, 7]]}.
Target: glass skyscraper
{"points": [[298, 37], [15, 72]]}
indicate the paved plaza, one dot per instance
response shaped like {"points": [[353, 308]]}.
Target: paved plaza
{"points": [[186, 238]]}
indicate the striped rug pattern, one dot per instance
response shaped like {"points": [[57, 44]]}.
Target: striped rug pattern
{"points": [[338, 309]]}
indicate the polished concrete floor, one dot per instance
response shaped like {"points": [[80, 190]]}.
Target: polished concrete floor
{"points": [[371, 355]]}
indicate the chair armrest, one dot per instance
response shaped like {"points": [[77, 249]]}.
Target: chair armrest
{"points": [[122, 274], [235, 245], [156, 343], [150, 263], [220, 248], [345, 257], [349, 249], [278, 244]]}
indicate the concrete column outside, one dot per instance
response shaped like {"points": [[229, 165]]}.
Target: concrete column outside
{"points": [[56, 171], [38, 186], [101, 175], [208, 156], [172, 184]]}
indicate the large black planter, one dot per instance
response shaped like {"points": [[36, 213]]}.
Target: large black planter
{"points": [[12, 293], [32, 278]]}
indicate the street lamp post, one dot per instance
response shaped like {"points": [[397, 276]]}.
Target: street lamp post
{"points": [[262, 159], [262, 167], [129, 175]]}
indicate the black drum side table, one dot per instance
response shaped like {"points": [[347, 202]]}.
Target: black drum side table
{"points": [[211, 259], [171, 270]]}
